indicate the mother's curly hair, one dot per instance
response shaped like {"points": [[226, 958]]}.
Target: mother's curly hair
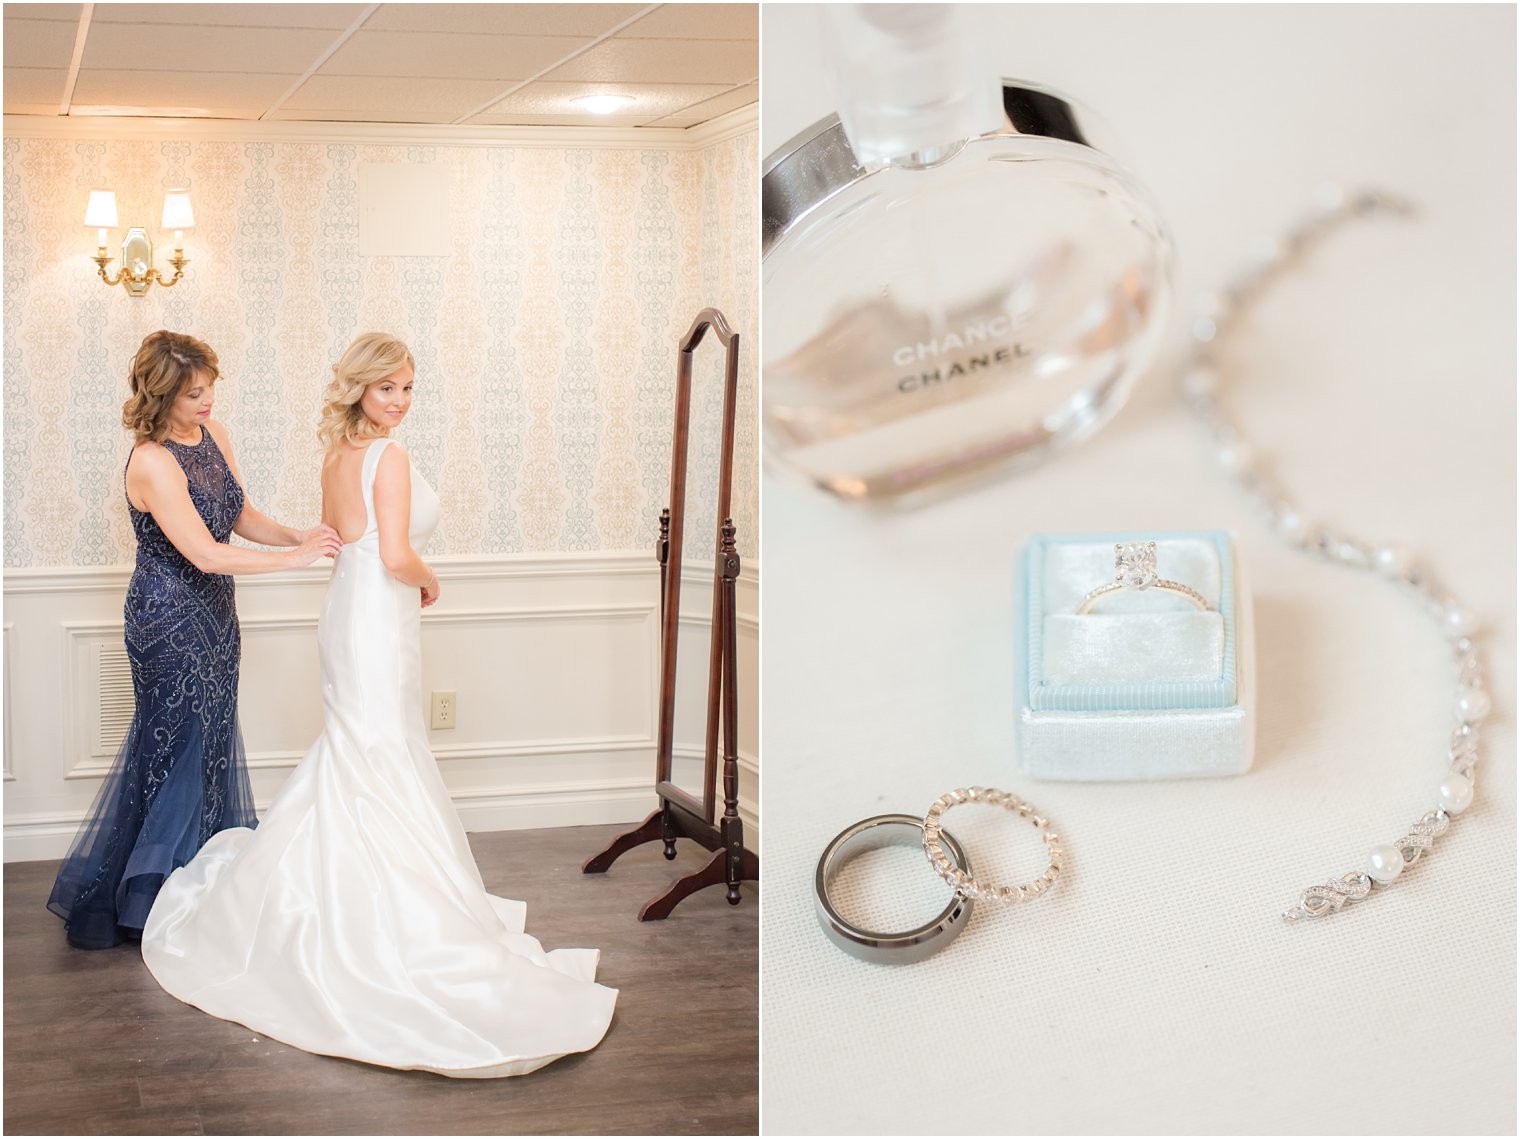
{"points": [[372, 356], [164, 364]]}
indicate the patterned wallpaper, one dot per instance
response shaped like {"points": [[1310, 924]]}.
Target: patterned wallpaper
{"points": [[545, 341]]}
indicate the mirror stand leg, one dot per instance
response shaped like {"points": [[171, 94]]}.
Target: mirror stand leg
{"points": [[714, 873], [656, 826]]}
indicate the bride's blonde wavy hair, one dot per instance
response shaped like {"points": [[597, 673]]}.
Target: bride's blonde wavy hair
{"points": [[371, 357]]}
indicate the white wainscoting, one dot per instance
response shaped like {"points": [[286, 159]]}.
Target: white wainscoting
{"points": [[554, 659]]}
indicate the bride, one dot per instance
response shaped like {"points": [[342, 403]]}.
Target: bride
{"points": [[354, 921]]}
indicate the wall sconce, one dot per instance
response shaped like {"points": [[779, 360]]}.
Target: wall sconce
{"points": [[137, 271]]}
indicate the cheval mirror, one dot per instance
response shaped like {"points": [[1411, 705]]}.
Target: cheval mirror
{"points": [[698, 638]]}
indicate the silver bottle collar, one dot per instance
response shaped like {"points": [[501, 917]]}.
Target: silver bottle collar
{"points": [[816, 164]]}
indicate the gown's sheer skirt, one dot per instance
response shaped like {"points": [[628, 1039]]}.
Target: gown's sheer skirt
{"points": [[180, 774], [354, 922], [137, 834]]}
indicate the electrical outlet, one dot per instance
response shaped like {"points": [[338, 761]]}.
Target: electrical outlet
{"points": [[443, 710]]}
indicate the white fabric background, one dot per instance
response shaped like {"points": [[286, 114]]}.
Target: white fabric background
{"points": [[1157, 990]]}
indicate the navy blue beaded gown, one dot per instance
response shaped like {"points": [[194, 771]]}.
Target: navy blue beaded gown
{"points": [[180, 776]]}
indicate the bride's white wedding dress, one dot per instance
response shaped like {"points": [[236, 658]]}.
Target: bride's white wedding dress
{"points": [[353, 922]]}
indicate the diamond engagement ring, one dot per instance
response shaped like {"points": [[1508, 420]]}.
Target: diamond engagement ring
{"points": [[1135, 568]]}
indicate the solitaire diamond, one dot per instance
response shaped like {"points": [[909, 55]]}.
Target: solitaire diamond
{"points": [[1135, 568], [1135, 564]]}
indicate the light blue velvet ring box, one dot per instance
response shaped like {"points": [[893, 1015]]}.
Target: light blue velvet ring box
{"points": [[1145, 686]]}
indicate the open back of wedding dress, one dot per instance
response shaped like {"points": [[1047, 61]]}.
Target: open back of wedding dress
{"points": [[353, 922]]}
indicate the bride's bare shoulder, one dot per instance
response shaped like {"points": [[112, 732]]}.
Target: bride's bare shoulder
{"points": [[344, 453]]}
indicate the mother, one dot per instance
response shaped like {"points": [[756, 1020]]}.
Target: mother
{"points": [[180, 776]]}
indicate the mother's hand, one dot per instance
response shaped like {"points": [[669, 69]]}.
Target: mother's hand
{"points": [[318, 542], [317, 531]]}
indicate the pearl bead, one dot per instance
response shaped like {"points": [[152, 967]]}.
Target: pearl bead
{"points": [[1460, 621], [1392, 559], [1385, 863], [1237, 455], [1455, 793], [1473, 704]]}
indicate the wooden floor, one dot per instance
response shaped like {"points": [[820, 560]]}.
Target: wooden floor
{"points": [[94, 1046]]}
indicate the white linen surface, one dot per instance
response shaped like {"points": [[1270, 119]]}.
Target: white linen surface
{"points": [[1156, 989]]}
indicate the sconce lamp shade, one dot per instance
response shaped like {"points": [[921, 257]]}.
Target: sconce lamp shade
{"points": [[101, 212], [177, 212]]}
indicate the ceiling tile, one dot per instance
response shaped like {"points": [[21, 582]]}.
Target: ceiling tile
{"points": [[678, 121], [334, 16], [34, 85], [724, 62], [387, 96], [409, 63], [38, 43], [690, 116], [589, 20], [449, 55], [220, 93], [698, 22], [147, 47], [650, 100], [286, 114], [69, 12]]}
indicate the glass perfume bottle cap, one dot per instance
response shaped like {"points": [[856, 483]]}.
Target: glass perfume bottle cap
{"points": [[909, 79]]}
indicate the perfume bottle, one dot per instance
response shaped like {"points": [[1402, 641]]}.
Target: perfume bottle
{"points": [[956, 275]]}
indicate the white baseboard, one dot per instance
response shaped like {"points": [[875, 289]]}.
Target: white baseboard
{"points": [[532, 808]]}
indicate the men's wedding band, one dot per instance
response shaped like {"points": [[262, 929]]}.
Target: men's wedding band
{"points": [[887, 948]]}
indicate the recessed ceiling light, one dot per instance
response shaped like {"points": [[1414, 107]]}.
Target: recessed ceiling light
{"points": [[602, 104]]}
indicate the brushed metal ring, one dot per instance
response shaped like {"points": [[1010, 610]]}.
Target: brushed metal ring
{"points": [[870, 945]]}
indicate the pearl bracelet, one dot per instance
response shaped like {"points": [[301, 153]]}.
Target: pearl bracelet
{"points": [[1200, 383]]}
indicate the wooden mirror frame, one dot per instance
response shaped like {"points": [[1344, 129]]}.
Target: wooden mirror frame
{"points": [[681, 814], [670, 572]]}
